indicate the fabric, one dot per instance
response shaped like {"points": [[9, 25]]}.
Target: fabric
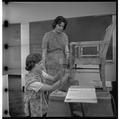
{"points": [[47, 76], [35, 100], [54, 41], [36, 86], [55, 44]]}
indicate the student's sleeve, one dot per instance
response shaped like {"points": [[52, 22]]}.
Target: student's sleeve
{"points": [[36, 86], [47, 76]]}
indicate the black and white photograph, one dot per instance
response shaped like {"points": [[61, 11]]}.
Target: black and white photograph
{"points": [[59, 59]]}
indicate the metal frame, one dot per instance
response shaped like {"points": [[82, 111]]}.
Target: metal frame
{"points": [[100, 59]]}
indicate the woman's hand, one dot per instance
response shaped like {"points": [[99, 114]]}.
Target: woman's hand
{"points": [[59, 75], [65, 77]]}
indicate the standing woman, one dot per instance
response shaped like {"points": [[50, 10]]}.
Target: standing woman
{"points": [[55, 51]]}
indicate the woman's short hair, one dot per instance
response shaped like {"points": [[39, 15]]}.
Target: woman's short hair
{"points": [[58, 20], [31, 60]]}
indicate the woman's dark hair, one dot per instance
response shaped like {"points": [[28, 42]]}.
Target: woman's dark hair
{"points": [[58, 20], [31, 60]]}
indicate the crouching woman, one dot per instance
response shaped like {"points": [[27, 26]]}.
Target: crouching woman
{"points": [[36, 90]]}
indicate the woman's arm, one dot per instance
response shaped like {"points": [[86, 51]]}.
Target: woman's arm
{"points": [[47, 76], [67, 52], [44, 46], [53, 78], [56, 85], [66, 46], [36, 86], [44, 53]]}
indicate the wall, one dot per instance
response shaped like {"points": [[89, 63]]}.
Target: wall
{"points": [[27, 12], [12, 53]]}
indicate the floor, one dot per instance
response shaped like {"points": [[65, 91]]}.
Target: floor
{"points": [[16, 99]]}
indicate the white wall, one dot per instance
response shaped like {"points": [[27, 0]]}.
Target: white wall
{"points": [[36, 11]]}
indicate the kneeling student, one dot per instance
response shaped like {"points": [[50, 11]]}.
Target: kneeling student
{"points": [[36, 90]]}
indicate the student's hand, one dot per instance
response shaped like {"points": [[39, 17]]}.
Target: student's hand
{"points": [[59, 75], [65, 78], [67, 71]]}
